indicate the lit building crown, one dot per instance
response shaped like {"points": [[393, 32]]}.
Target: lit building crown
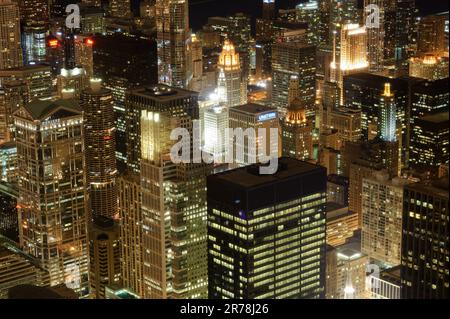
{"points": [[229, 58], [296, 112]]}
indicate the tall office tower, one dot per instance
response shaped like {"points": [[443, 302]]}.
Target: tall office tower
{"points": [[375, 36], [324, 22], [37, 79], [131, 233], [215, 121], [173, 43], [297, 131], [382, 206], [72, 77], [346, 273], [34, 44], [59, 240], [352, 57], [266, 233], [341, 12], [133, 65], [425, 240], [253, 117], [365, 91], [119, 9], [347, 123], [93, 20], [429, 97], [101, 175], [430, 67], [293, 59], [197, 64], [309, 12], [35, 25], [268, 9], [429, 142], [238, 29], [173, 213], [231, 86], [431, 34], [34, 12], [135, 61], [84, 56], [341, 223], [361, 160], [405, 32], [11, 50], [388, 110], [156, 98]]}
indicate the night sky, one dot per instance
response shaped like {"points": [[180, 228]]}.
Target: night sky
{"points": [[200, 10]]}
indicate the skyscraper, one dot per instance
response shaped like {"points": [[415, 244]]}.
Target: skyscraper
{"points": [[309, 12], [119, 8], [297, 131], [375, 36], [429, 142], [52, 218], [173, 42], [231, 86], [351, 57], [425, 241], [388, 125], [10, 48], [101, 175], [293, 59], [266, 233], [268, 10], [382, 206], [173, 195], [431, 34], [35, 24], [250, 118]]}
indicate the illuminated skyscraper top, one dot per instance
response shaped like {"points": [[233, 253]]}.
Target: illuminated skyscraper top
{"points": [[229, 58], [388, 115], [268, 9]]}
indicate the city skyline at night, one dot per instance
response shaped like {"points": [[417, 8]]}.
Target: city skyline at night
{"points": [[222, 149]]}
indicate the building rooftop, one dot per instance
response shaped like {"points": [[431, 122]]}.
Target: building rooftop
{"points": [[249, 176], [40, 109], [252, 108], [436, 118], [163, 93], [439, 187]]}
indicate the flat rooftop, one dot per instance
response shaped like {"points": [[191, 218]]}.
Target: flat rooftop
{"points": [[248, 176], [252, 108], [436, 118], [163, 93]]}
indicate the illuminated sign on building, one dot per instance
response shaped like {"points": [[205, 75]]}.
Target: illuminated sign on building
{"points": [[267, 116]]}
